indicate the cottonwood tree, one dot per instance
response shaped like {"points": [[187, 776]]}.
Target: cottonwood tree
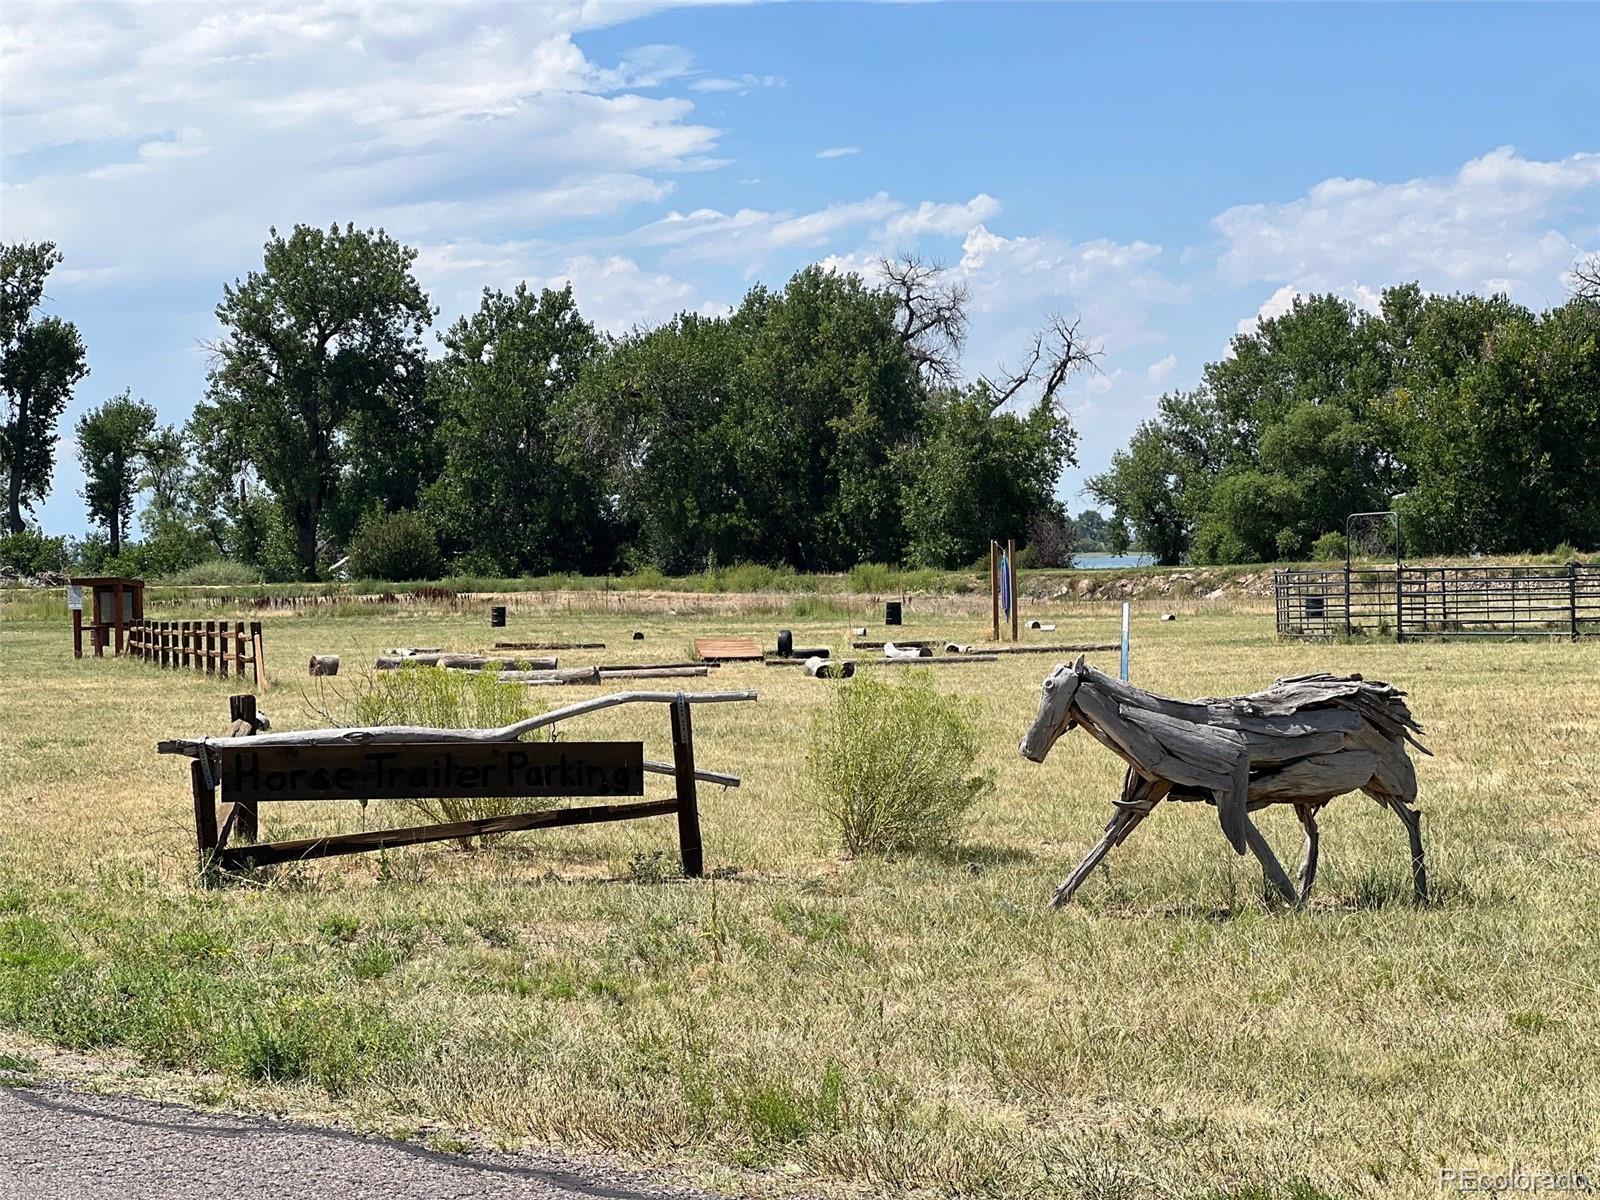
{"points": [[112, 441], [507, 492], [325, 338], [930, 314], [41, 361]]}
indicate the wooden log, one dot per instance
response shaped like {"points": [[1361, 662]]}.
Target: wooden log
{"points": [[549, 645], [859, 644], [389, 734], [1020, 648], [324, 664], [465, 662], [558, 676], [931, 660], [624, 673]]}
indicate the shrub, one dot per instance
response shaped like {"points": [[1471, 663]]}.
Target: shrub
{"points": [[31, 552], [892, 764], [443, 699], [1330, 547], [394, 546]]}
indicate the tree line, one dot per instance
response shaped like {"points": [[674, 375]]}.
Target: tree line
{"points": [[1477, 420], [816, 426]]}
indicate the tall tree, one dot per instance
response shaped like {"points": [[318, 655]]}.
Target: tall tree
{"points": [[979, 474], [328, 334], [41, 361], [112, 440], [503, 390]]}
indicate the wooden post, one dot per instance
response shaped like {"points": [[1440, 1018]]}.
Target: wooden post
{"points": [[116, 616], [222, 649], [77, 633], [688, 802], [1011, 578], [205, 813], [238, 649], [242, 714], [257, 655], [994, 589]]}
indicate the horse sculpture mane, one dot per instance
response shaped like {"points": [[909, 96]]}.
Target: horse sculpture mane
{"points": [[1301, 742]]}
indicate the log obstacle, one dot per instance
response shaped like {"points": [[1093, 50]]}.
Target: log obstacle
{"points": [[1300, 742]]}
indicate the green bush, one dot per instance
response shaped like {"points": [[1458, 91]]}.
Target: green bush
{"points": [[31, 552], [1330, 547], [395, 546], [443, 699], [891, 765]]}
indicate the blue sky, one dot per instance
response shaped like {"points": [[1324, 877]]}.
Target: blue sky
{"points": [[1167, 172]]}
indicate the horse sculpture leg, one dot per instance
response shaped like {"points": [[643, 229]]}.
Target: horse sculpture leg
{"points": [[1139, 796], [1269, 862], [1308, 864], [1419, 869]]}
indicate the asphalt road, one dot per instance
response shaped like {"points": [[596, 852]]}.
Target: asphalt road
{"points": [[61, 1145]]}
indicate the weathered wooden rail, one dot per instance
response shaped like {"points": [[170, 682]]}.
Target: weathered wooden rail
{"points": [[216, 648]]}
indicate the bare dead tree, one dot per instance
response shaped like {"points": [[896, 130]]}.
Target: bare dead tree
{"points": [[931, 314], [1057, 351], [1586, 280]]}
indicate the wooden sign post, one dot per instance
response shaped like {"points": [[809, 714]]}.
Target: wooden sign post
{"points": [[362, 765]]}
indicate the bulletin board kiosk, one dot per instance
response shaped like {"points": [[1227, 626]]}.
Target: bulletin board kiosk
{"points": [[105, 606]]}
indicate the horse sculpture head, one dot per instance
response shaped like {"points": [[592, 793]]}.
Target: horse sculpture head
{"points": [[1055, 711]]}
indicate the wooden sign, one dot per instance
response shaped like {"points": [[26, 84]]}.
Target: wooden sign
{"points": [[431, 769]]}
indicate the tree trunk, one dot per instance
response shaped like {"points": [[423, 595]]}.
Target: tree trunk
{"points": [[305, 523], [115, 524], [14, 512]]}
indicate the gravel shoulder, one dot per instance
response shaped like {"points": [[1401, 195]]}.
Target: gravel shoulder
{"points": [[69, 1145]]}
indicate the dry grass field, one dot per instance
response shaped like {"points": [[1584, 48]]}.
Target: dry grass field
{"points": [[803, 1023]]}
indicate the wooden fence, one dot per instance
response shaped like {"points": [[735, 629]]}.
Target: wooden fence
{"points": [[1406, 602], [220, 648]]}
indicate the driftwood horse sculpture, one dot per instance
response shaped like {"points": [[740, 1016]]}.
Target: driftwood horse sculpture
{"points": [[1303, 741]]}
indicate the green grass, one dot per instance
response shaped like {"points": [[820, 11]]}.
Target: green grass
{"points": [[805, 1023]]}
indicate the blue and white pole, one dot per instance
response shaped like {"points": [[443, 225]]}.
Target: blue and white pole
{"points": [[1124, 641]]}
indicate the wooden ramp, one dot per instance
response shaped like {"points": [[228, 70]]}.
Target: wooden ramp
{"points": [[727, 649]]}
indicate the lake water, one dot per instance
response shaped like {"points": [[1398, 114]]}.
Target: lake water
{"points": [[1110, 562]]}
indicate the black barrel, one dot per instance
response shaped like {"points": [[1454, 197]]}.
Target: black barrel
{"points": [[891, 612], [497, 616], [785, 643]]}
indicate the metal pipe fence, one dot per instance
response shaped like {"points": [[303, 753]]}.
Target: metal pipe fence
{"points": [[1404, 602]]}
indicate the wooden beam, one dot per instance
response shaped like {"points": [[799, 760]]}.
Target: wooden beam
{"points": [[303, 849]]}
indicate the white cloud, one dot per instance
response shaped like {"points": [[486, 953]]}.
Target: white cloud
{"points": [[949, 220], [436, 120], [1502, 222], [838, 152], [741, 84], [1161, 368]]}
